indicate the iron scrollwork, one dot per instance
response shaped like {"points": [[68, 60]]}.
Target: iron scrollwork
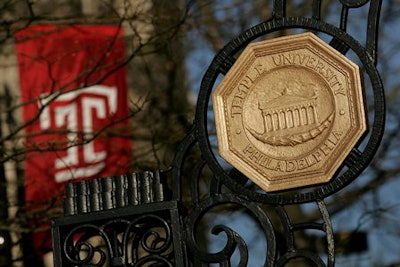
{"points": [[280, 235], [154, 237], [143, 240], [236, 188], [234, 240], [358, 160]]}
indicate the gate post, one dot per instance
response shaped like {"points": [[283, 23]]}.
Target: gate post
{"points": [[120, 220]]}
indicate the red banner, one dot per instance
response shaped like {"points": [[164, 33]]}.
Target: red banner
{"points": [[74, 92]]}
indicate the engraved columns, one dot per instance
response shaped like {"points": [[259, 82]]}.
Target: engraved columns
{"points": [[289, 111]]}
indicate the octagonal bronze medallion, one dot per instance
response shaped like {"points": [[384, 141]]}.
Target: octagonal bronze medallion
{"points": [[289, 111]]}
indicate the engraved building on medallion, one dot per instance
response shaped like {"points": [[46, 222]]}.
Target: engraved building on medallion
{"points": [[288, 112], [292, 112]]}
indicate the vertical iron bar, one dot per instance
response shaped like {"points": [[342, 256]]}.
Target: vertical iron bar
{"points": [[343, 18], [279, 10], [316, 9], [329, 232], [336, 42], [372, 30]]}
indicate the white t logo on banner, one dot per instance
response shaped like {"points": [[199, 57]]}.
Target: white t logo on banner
{"points": [[96, 102]]}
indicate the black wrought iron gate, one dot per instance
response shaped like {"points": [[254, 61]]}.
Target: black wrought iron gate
{"points": [[142, 220]]}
